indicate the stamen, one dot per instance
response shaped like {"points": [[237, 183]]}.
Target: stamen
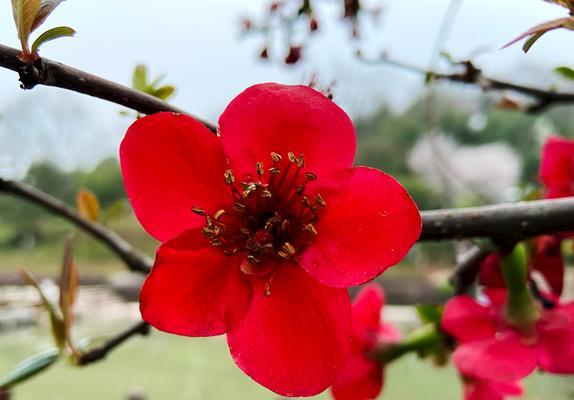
{"points": [[275, 157], [301, 161], [310, 176], [198, 211], [229, 177], [292, 158], [219, 214], [320, 200], [289, 249], [311, 229], [259, 167], [239, 207]]}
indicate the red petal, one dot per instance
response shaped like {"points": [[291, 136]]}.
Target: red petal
{"points": [[466, 320], [557, 167], [369, 224], [555, 342], [296, 340], [361, 379], [194, 289], [367, 307], [277, 118], [548, 261], [486, 390], [170, 164], [491, 272], [496, 360]]}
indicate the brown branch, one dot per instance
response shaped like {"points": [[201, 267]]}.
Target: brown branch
{"points": [[467, 269], [133, 258], [471, 75], [99, 353], [502, 222], [51, 73]]}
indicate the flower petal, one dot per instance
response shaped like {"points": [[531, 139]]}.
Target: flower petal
{"points": [[555, 344], [467, 321], [296, 340], [503, 360], [194, 289], [361, 379], [270, 117], [548, 261], [557, 167], [367, 306], [171, 163], [369, 224]]}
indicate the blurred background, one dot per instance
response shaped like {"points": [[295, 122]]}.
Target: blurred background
{"points": [[451, 145]]}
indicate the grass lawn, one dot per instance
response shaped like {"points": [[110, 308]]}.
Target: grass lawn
{"points": [[177, 368]]}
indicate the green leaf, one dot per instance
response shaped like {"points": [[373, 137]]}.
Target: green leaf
{"points": [[531, 40], [139, 79], [114, 210], [46, 8], [51, 34], [164, 92], [565, 72], [429, 313], [56, 319], [25, 12], [88, 205], [30, 367]]}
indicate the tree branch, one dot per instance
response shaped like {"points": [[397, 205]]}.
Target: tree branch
{"points": [[141, 328], [133, 258], [502, 222], [51, 73], [471, 75], [467, 269]]}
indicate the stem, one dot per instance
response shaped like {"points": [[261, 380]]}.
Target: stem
{"points": [[520, 307], [418, 340], [132, 257]]}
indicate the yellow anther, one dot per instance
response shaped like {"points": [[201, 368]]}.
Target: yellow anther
{"points": [[219, 214], [310, 176], [320, 200], [259, 167], [292, 157], [198, 211], [275, 157], [229, 177]]}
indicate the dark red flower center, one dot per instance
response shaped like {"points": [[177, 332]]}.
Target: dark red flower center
{"points": [[272, 214]]}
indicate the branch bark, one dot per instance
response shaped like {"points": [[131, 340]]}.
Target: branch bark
{"points": [[97, 354], [502, 222], [51, 73], [471, 75], [133, 258]]}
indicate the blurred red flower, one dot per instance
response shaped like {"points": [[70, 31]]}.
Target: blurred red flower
{"points": [[477, 389], [362, 377], [547, 261], [557, 167], [281, 225], [492, 350]]}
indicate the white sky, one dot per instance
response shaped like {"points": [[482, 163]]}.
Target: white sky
{"points": [[198, 45]]}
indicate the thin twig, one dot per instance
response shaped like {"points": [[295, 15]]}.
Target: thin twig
{"points": [[502, 222], [97, 354], [471, 75], [51, 73], [133, 258], [467, 269]]}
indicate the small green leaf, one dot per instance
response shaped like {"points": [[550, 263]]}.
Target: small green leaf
{"points": [[46, 8], [25, 12], [88, 205], [164, 92], [531, 40], [139, 79], [56, 319], [114, 210], [51, 34], [429, 313], [30, 367], [565, 72]]}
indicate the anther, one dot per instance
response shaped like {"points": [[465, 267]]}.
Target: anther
{"points": [[301, 161], [310, 176], [252, 259], [229, 178], [266, 193], [259, 167], [239, 207], [275, 157], [305, 201], [300, 189], [283, 254], [274, 171], [289, 249], [218, 214], [198, 211], [311, 229], [292, 157], [320, 200]]}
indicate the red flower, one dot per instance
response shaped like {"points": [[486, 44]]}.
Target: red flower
{"points": [[477, 389], [557, 167], [492, 350], [362, 377], [546, 261], [281, 225]]}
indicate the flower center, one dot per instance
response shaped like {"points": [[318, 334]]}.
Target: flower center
{"points": [[272, 214]]}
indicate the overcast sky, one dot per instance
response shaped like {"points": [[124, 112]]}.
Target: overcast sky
{"points": [[198, 45]]}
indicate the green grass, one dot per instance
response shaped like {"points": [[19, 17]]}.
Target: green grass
{"points": [[177, 368]]}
